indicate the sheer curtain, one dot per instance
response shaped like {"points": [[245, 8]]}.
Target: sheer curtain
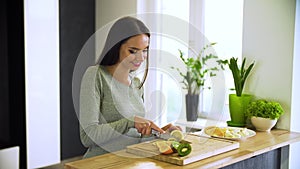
{"points": [[168, 21], [176, 25]]}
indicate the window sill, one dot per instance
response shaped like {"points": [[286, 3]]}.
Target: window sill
{"points": [[200, 123]]}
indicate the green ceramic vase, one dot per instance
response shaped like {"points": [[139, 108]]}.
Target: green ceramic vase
{"points": [[237, 108]]}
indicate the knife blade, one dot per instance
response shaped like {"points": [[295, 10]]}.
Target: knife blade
{"points": [[164, 136], [167, 136]]}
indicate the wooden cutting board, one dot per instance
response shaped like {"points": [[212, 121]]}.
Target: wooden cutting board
{"points": [[202, 147]]}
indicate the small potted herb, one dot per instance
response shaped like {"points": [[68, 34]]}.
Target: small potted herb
{"points": [[194, 78], [264, 114]]}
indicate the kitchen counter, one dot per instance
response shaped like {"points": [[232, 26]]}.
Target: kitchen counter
{"points": [[262, 142]]}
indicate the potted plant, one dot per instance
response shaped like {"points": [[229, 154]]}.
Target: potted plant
{"points": [[194, 78], [264, 114], [238, 102]]}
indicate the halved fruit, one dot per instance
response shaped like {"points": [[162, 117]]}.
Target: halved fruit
{"points": [[183, 149], [164, 147], [177, 134]]}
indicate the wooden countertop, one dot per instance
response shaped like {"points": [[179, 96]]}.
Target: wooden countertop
{"points": [[262, 142]]}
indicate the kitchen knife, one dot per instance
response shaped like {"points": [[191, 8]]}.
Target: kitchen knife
{"points": [[167, 136], [164, 136]]}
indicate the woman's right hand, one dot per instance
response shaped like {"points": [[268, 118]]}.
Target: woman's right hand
{"points": [[145, 126]]}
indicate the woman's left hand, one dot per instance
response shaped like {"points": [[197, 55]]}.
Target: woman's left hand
{"points": [[170, 127]]}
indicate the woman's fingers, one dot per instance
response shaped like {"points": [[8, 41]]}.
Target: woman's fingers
{"points": [[170, 127], [155, 127], [141, 127], [143, 131], [166, 127], [145, 126], [148, 130], [179, 128]]}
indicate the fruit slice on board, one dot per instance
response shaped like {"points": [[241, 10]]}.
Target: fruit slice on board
{"points": [[164, 147], [177, 134]]}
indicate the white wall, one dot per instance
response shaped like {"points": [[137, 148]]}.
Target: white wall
{"points": [[42, 82], [9, 158], [268, 38], [109, 10], [295, 107]]}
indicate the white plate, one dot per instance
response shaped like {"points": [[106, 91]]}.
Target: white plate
{"points": [[233, 131]]}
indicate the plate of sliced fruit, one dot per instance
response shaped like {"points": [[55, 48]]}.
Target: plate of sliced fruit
{"points": [[232, 133]]}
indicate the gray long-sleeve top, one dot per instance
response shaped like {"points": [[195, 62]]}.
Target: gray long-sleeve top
{"points": [[107, 108]]}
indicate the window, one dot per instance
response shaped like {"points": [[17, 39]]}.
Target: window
{"points": [[220, 22], [223, 23]]}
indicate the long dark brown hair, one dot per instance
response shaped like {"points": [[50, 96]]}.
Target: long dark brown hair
{"points": [[122, 30]]}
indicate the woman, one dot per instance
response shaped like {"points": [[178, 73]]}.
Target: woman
{"points": [[111, 101]]}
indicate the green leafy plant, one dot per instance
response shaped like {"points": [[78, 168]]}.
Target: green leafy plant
{"points": [[265, 109], [239, 74], [195, 76]]}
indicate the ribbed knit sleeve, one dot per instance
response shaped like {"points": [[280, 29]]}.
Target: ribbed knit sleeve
{"points": [[94, 129]]}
